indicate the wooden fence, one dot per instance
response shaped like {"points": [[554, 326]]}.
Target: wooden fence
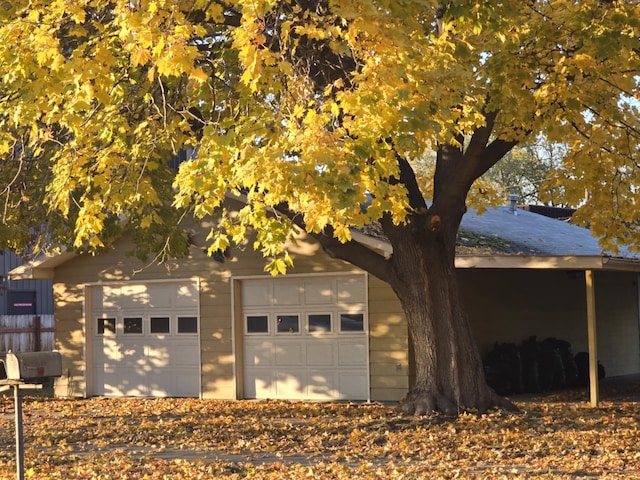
{"points": [[26, 333]]}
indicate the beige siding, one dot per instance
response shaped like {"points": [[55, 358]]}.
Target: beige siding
{"points": [[70, 339], [388, 344]]}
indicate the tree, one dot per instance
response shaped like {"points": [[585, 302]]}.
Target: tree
{"points": [[524, 171], [308, 109]]}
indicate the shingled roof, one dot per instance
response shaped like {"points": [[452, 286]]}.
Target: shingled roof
{"points": [[518, 231], [507, 237]]}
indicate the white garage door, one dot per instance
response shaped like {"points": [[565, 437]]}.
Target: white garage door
{"points": [[305, 338], [146, 340]]}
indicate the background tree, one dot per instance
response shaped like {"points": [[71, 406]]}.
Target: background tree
{"points": [[311, 107], [525, 170]]}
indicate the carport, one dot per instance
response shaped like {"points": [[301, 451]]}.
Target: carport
{"points": [[531, 241], [511, 239]]}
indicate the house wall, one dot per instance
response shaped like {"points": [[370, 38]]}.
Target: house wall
{"points": [[388, 339], [388, 343], [512, 305]]}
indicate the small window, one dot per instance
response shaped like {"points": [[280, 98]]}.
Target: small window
{"points": [[351, 322], [319, 323], [106, 325], [257, 324], [159, 325], [288, 323], [132, 325], [187, 324]]}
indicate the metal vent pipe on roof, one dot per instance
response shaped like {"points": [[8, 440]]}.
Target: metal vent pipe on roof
{"points": [[513, 202]]}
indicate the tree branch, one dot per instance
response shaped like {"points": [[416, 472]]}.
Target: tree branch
{"points": [[492, 155], [354, 253], [408, 179], [480, 137], [351, 251]]}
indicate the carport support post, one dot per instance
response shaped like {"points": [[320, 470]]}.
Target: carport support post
{"points": [[592, 335]]}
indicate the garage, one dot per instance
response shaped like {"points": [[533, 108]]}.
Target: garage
{"points": [[305, 338], [144, 339]]}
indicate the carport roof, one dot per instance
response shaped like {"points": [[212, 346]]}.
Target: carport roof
{"points": [[505, 238], [540, 242]]}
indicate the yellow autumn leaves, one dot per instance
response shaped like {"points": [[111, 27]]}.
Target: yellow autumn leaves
{"points": [[559, 437], [308, 106]]}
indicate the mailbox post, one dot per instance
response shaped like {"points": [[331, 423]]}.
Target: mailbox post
{"points": [[27, 370]]}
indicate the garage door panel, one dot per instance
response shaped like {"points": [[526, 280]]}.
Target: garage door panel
{"points": [[352, 353], [108, 384], [319, 291], [133, 353], [185, 355], [350, 290], [322, 385], [289, 354], [160, 386], [320, 353], [261, 385], [256, 293], [351, 385], [130, 297], [258, 354], [186, 296], [162, 296], [187, 381], [304, 361], [159, 356], [291, 385], [106, 353], [286, 293], [132, 386], [106, 298]]}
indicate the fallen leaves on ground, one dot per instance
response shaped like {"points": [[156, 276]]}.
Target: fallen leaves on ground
{"points": [[191, 438]]}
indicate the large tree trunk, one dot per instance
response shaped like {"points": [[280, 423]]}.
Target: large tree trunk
{"points": [[449, 377]]}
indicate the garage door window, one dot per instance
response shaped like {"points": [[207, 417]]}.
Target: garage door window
{"points": [[351, 322], [133, 325], [319, 323], [288, 324], [160, 325], [257, 324], [106, 326], [187, 325]]}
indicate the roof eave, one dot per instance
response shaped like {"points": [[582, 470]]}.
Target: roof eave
{"points": [[381, 246], [624, 264], [559, 262], [41, 268]]}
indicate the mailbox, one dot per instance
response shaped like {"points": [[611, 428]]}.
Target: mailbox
{"points": [[32, 366]]}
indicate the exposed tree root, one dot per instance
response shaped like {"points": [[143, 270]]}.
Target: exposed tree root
{"points": [[420, 403], [503, 403]]}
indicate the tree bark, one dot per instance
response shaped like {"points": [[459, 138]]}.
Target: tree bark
{"points": [[449, 376]]}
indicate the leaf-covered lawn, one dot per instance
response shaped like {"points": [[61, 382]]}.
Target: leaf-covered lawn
{"points": [[191, 438]]}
